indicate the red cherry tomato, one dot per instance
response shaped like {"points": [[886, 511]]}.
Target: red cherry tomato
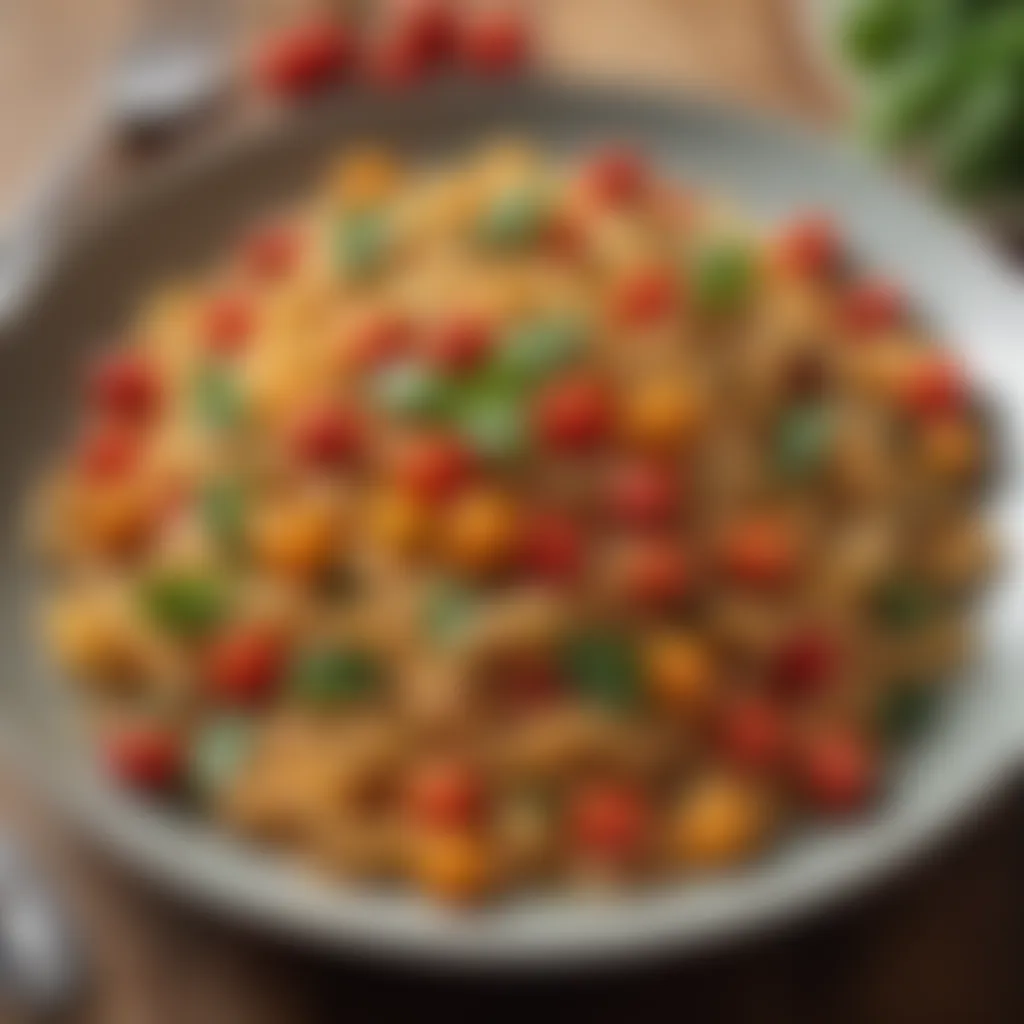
{"points": [[461, 344], [445, 794], [145, 756], [526, 682], [805, 662], [270, 252], [381, 340], [646, 297], [656, 573], [617, 176], [245, 665], [327, 437], [752, 734], [394, 62], [871, 306], [434, 467], [837, 770], [228, 322], [107, 452], [495, 41], [809, 245], [425, 27], [642, 494], [124, 385], [758, 552], [608, 820], [551, 547], [305, 58], [573, 414], [936, 388]]}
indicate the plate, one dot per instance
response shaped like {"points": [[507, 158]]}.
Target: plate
{"points": [[771, 168]]}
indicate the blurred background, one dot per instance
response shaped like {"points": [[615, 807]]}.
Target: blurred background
{"points": [[94, 94]]}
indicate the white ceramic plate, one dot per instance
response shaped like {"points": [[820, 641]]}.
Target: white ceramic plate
{"points": [[766, 166]]}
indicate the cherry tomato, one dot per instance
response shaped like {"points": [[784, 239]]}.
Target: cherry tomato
{"points": [[327, 437], [617, 176], [145, 756], [837, 770], [495, 41], [646, 297], [609, 820], [527, 681], [461, 344], [551, 547], [809, 245], [381, 340], [417, 36], [245, 664], [227, 323], [937, 387], [435, 466], [642, 494], [759, 552], [305, 58], [107, 452], [564, 237], [395, 62], [656, 573], [871, 306], [805, 662], [573, 414], [430, 23], [445, 794], [125, 386], [270, 252], [752, 734]]}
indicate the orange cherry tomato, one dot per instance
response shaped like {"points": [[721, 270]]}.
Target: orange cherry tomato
{"points": [[227, 323], [646, 297]]}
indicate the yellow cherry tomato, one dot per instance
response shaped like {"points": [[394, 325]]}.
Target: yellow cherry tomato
{"points": [[399, 523], [364, 177], [296, 537], [951, 448], [481, 531], [90, 639], [719, 822], [679, 670], [455, 867], [660, 415], [113, 519]]}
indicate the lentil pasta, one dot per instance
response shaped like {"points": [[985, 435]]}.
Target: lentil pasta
{"points": [[497, 524]]}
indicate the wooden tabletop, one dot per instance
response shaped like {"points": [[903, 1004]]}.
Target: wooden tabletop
{"points": [[935, 944]]}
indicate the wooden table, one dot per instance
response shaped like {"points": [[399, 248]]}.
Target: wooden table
{"points": [[936, 944]]}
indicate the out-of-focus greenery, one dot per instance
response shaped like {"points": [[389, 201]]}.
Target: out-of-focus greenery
{"points": [[945, 79]]}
